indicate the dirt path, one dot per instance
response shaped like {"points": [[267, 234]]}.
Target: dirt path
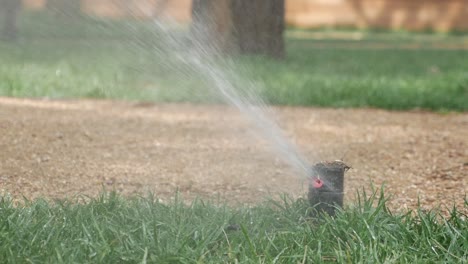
{"points": [[61, 148]]}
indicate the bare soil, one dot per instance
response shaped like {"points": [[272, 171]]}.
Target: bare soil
{"points": [[58, 149]]}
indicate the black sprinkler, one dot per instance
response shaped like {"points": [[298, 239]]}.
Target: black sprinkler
{"points": [[326, 186]]}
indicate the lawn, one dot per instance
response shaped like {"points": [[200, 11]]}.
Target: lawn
{"points": [[112, 229], [62, 58]]}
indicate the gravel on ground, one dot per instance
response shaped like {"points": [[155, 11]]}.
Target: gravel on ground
{"points": [[63, 148]]}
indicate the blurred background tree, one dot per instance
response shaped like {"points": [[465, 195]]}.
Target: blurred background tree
{"points": [[9, 11], [246, 26]]}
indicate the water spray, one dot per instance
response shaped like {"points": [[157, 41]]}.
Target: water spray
{"points": [[326, 186], [205, 58]]}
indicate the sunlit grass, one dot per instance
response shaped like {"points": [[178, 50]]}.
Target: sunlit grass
{"points": [[114, 229], [390, 78]]}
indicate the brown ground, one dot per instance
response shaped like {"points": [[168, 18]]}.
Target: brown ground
{"points": [[61, 148]]}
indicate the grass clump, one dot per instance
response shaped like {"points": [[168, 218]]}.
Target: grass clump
{"points": [[114, 229]]}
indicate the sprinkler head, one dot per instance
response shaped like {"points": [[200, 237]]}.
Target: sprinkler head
{"points": [[317, 183], [326, 186]]}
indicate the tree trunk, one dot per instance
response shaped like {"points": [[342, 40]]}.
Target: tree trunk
{"points": [[245, 17], [247, 26], [275, 27], [9, 10], [211, 24]]}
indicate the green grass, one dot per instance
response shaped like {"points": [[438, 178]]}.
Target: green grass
{"points": [[69, 58], [113, 229], [391, 79]]}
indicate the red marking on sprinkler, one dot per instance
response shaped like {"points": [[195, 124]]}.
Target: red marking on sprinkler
{"points": [[318, 183]]}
